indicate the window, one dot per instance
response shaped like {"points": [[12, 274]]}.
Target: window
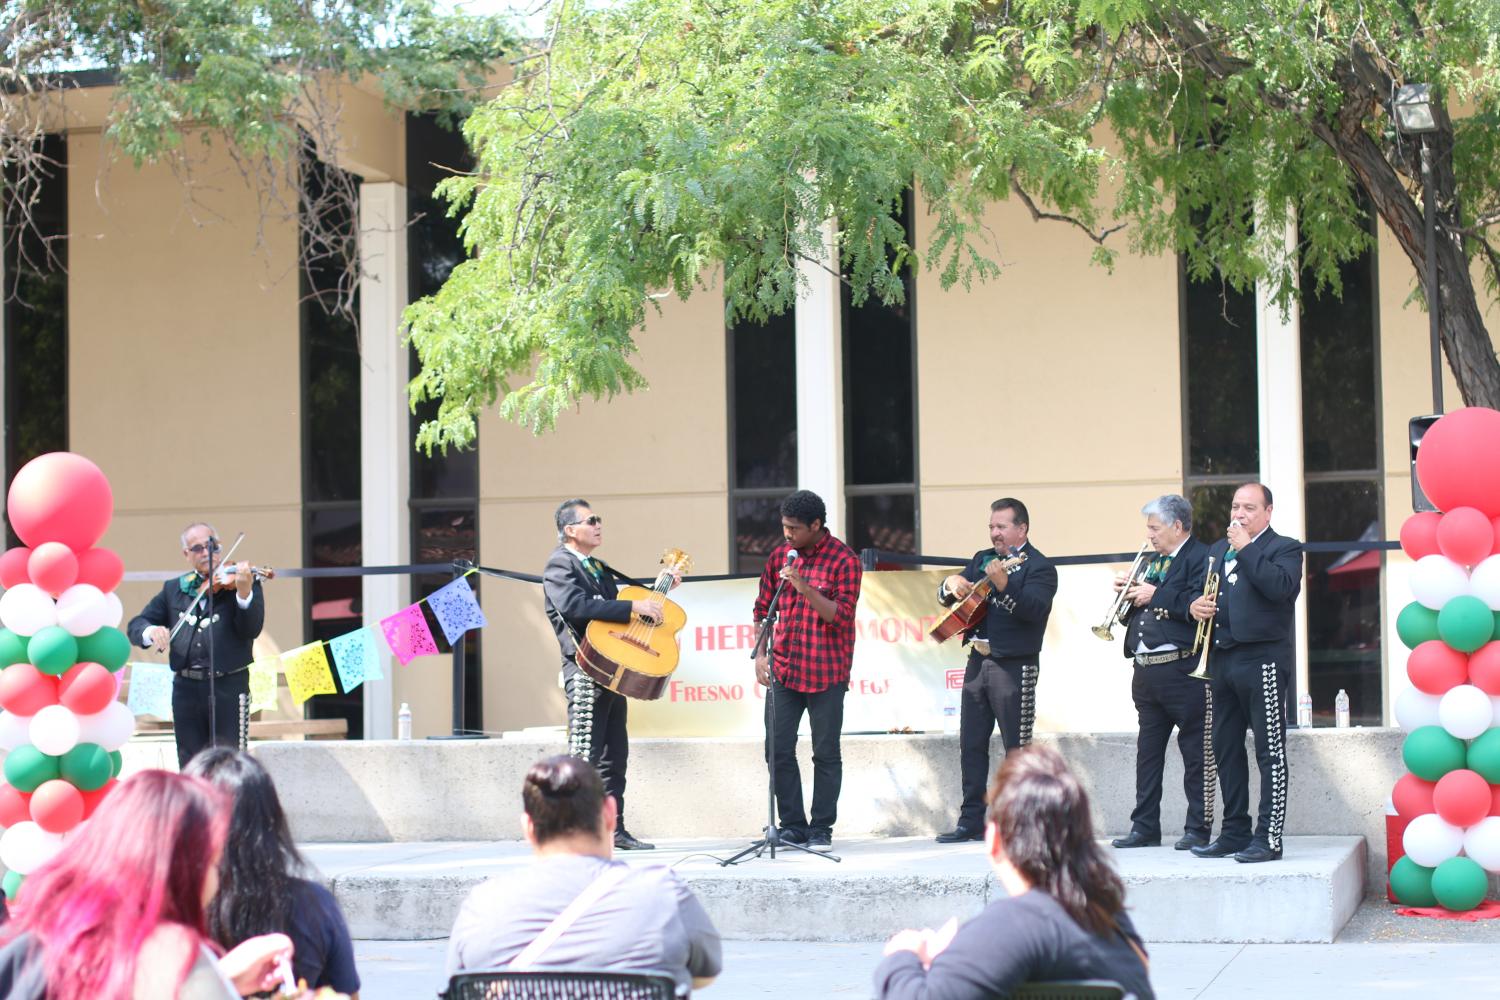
{"points": [[880, 424], [331, 512], [444, 489], [36, 311], [762, 436]]}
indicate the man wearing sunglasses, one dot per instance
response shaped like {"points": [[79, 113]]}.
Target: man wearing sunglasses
{"points": [[577, 589], [228, 622]]}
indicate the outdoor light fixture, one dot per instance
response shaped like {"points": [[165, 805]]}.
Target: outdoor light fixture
{"points": [[1412, 107]]}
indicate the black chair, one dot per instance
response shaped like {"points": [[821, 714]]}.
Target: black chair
{"points": [[1071, 989], [559, 984]]}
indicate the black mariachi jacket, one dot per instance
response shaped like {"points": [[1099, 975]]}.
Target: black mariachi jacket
{"points": [[1017, 616], [573, 598], [1267, 577], [1166, 617], [234, 628]]}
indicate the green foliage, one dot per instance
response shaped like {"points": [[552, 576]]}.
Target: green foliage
{"points": [[652, 147]]}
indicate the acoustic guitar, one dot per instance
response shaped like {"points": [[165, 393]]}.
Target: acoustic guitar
{"points": [[968, 612], [635, 658]]}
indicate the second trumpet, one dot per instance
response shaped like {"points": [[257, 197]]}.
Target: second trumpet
{"points": [[1204, 637]]}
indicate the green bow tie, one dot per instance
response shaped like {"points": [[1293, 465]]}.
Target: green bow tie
{"points": [[1157, 571], [592, 565]]}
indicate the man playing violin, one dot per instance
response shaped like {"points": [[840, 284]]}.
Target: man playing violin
{"points": [[219, 624], [1004, 654]]}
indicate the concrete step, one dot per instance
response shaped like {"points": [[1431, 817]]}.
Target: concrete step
{"points": [[412, 890]]}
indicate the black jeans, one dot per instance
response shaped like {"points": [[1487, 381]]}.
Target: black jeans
{"points": [[999, 691], [609, 746], [1250, 684], [825, 709], [190, 712], [1166, 697]]}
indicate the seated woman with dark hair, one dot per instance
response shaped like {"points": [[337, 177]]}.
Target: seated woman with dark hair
{"points": [[261, 885], [1064, 917], [576, 908]]}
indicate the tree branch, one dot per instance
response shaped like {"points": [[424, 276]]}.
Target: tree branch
{"points": [[1037, 215]]}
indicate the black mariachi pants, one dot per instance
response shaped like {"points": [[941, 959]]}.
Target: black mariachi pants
{"points": [[1250, 685], [1166, 697], [1000, 691], [191, 712], [609, 744], [825, 712]]}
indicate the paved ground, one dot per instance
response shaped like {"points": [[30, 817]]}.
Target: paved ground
{"points": [[412, 970]]}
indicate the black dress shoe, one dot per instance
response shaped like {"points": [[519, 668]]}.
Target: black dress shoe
{"points": [[959, 835], [1256, 853], [1134, 839], [1189, 840], [625, 842], [1220, 848]]}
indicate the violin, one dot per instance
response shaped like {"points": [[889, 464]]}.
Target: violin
{"points": [[224, 575]]}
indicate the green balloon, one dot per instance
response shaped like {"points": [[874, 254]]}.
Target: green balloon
{"points": [[1466, 623], [12, 884], [116, 763], [1431, 752], [87, 766], [27, 768], [52, 650], [12, 648], [1459, 884], [1417, 624], [1412, 883], [108, 646], [1484, 755]]}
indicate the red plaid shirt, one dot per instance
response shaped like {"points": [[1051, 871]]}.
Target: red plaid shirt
{"points": [[811, 654]]}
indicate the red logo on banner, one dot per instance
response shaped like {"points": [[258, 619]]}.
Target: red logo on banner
{"points": [[955, 680]]}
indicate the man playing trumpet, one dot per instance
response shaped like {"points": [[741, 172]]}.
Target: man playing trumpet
{"points": [[1159, 631], [1250, 666]]}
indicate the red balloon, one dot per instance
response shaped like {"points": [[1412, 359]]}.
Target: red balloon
{"points": [[86, 688], [1484, 668], [1435, 667], [53, 567], [102, 567], [15, 806], [1419, 534], [1462, 797], [57, 806], [63, 497], [1412, 796], [13, 566], [1458, 462], [1464, 535], [92, 799], [25, 690]]}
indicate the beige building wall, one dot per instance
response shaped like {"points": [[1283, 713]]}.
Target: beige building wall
{"points": [[183, 365]]}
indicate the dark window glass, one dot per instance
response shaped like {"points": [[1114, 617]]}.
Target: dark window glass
{"points": [[1211, 510], [757, 530], [765, 403], [883, 522], [1223, 411], [440, 535], [333, 603], [1343, 601], [36, 315]]}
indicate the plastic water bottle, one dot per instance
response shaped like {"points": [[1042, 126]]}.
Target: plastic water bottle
{"points": [[403, 722], [1304, 711], [950, 717], [1341, 709]]}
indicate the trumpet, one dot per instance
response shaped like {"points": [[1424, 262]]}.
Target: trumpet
{"points": [[1204, 638], [1137, 569]]}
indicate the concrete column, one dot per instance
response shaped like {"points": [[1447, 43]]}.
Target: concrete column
{"points": [[1279, 382], [385, 448], [820, 382]]}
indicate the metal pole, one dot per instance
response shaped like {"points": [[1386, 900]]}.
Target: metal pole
{"points": [[1434, 297], [458, 671]]}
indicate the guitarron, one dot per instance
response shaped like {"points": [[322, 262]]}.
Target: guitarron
{"points": [[967, 613], [635, 658]]}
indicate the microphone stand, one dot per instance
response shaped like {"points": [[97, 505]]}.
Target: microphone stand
{"points": [[208, 598], [772, 838]]}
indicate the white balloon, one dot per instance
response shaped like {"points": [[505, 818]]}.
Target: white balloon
{"points": [[1465, 711], [1435, 580], [111, 728], [26, 609], [25, 847], [1416, 708], [1484, 582], [82, 609], [1430, 840], [54, 730], [116, 611], [1482, 843], [15, 730]]}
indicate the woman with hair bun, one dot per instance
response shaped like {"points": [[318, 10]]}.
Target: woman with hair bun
{"points": [[1064, 917]]}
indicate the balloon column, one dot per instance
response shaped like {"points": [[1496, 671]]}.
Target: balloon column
{"points": [[61, 650], [1450, 801]]}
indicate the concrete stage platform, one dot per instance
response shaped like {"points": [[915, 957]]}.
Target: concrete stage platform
{"points": [[412, 890]]}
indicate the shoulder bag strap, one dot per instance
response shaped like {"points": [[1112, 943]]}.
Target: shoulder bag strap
{"points": [[585, 899]]}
